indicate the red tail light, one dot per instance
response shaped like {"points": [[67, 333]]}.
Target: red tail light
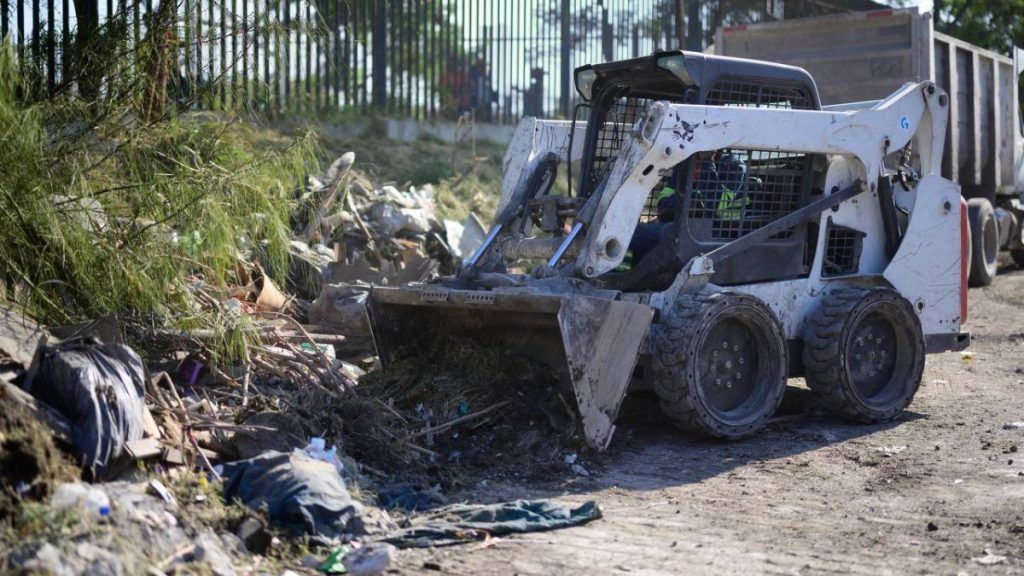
{"points": [[965, 237]]}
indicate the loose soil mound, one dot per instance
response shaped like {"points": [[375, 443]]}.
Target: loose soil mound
{"points": [[31, 465]]}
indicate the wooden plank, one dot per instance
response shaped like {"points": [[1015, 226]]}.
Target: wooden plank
{"points": [[144, 449]]}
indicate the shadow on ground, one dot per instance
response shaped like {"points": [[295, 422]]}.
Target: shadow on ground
{"points": [[648, 452]]}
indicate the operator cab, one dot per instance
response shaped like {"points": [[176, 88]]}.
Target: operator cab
{"points": [[719, 195]]}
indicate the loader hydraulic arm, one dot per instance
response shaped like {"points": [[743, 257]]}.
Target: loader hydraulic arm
{"points": [[671, 133]]}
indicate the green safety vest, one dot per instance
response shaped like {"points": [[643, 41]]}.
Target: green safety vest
{"points": [[730, 207]]}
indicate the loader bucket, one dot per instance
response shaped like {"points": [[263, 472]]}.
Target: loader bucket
{"points": [[592, 342]]}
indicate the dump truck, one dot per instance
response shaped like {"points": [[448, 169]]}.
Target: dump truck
{"points": [[715, 234], [864, 56]]}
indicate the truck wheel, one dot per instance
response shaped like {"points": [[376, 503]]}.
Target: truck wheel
{"points": [[719, 363], [984, 241], [864, 353]]}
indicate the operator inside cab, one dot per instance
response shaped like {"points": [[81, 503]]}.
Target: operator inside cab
{"points": [[719, 192]]}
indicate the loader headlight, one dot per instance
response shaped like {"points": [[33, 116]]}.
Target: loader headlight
{"points": [[585, 78], [676, 64]]}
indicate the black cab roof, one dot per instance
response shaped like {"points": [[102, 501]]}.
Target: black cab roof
{"points": [[660, 75]]}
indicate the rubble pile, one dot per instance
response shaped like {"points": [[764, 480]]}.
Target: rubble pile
{"points": [[267, 420]]}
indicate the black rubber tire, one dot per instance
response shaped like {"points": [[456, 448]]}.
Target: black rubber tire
{"points": [[834, 346], [682, 363], [984, 241]]}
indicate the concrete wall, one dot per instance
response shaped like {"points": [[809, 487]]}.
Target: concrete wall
{"points": [[409, 130]]}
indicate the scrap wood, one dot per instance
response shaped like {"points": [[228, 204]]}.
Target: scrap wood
{"points": [[316, 350], [336, 175], [300, 364], [446, 425], [266, 334], [359, 221], [410, 445], [187, 427], [144, 448], [391, 410]]}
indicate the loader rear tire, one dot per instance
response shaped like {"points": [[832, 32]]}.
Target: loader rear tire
{"points": [[864, 353], [720, 363], [984, 241]]}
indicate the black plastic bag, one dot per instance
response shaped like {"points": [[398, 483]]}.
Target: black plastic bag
{"points": [[100, 388], [302, 495]]}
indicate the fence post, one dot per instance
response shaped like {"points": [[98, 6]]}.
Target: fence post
{"points": [[3, 18], [566, 57], [694, 37], [380, 67], [680, 24]]}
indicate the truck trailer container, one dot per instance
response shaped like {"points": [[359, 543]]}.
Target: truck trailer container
{"points": [[864, 56]]}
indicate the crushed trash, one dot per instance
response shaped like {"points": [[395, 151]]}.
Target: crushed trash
{"points": [[990, 558], [316, 449], [138, 532], [90, 501], [1013, 426], [890, 450], [275, 400], [369, 560]]}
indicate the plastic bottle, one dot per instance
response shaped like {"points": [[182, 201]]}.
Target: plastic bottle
{"points": [[90, 501]]}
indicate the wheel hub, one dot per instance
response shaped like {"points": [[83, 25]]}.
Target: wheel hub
{"points": [[728, 364], [873, 350]]}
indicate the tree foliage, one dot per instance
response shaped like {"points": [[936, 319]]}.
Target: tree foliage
{"points": [[994, 24]]}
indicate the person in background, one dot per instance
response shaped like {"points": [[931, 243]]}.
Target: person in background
{"points": [[718, 192]]}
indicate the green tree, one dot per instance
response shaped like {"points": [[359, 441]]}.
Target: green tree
{"points": [[994, 24]]}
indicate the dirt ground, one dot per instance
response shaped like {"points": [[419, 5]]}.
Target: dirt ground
{"points": [[939, 491]]}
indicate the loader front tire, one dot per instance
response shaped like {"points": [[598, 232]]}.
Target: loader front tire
{"points": [[864, 353], [984, 241], [720, 363]]}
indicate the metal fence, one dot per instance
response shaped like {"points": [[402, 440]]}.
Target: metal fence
{"points": [[499, 60]]}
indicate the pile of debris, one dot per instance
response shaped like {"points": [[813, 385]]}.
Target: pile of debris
{"points": [[276, 402]]}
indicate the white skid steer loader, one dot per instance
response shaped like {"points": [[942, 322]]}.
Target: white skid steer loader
{"points": [[724, 234]]}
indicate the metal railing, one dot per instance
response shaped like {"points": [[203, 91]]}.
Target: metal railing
{"points": [[498, 60]]}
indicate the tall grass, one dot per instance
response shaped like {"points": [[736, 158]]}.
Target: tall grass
{"points": [[110, 214]]}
